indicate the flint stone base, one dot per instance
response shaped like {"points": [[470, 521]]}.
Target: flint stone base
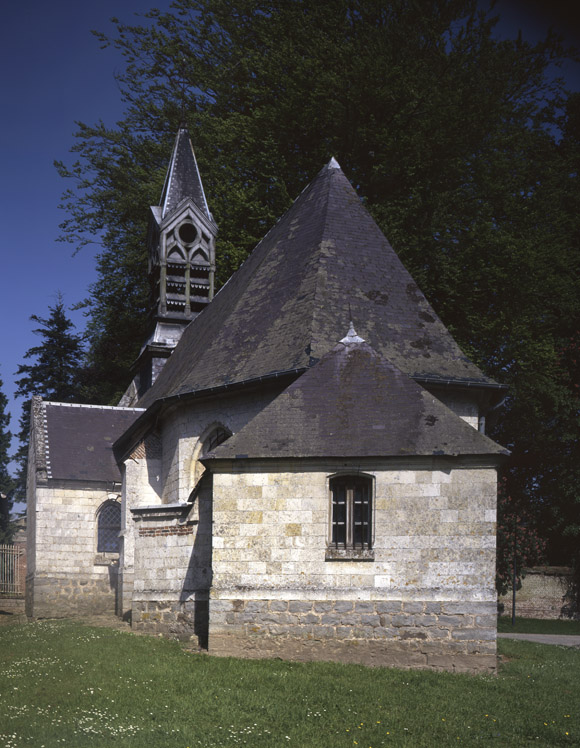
{"points": [[186, 621], [436, 636], [71, 596]]}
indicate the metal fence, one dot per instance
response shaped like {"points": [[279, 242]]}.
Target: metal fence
{"points": [[12, 570]]}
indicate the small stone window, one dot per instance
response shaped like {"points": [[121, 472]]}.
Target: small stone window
{"points": [[108, 528], [351, 517]]}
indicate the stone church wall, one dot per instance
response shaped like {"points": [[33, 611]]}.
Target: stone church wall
{"points": [[67, 576], [184, 431], [426, 599], [173, 569], [162, 587]]}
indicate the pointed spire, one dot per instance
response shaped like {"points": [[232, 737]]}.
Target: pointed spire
{"points": [[333, 164], [183, 179], [351, 336]]}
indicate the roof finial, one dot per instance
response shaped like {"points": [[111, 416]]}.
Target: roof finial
{"points": [[333, 164], [351, 336]]}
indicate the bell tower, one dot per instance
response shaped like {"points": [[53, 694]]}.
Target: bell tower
{"points": [[181, 244]]}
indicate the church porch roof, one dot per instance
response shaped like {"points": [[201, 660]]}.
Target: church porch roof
{"points": [[353, 403]]}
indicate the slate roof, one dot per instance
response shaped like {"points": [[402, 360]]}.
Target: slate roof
{"points": [[325, 262], [78, 440], [353, 403], [183, 179]]}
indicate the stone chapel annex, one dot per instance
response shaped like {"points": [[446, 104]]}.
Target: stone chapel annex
{"points": [[298, 468]]}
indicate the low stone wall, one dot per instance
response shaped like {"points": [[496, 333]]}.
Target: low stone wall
{"points": [[435, 635], [546, 592], [71, 595]]}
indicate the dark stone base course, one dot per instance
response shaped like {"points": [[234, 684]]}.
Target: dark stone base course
{"points": [[186, 621], [355, 651], [70, 597], [439, 636]]}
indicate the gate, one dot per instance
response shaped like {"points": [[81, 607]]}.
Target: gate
{"points": [[12, 570]]}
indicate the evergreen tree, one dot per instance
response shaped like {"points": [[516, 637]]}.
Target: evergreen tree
{"points": [[6, 480], [53, 375], [463, 147]]}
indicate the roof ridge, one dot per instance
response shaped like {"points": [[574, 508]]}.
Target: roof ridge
{"points": [[326, 172], [86, 405]]}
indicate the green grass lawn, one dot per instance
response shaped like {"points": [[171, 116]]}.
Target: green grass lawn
{"points": [[62, 684], [537, 626]]}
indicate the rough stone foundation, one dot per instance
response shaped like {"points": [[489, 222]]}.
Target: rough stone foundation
{"points": [[435, 635], [187, 621], [70, 595]]}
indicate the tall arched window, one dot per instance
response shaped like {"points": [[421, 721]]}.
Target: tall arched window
{"points": [[109, 527]]}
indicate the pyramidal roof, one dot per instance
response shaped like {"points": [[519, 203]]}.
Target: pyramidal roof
{"points": [[182, 180], [324, 263], [352, 403]]}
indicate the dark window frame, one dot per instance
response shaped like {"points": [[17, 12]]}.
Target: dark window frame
{"points": [[351, 521], [106, 529]]}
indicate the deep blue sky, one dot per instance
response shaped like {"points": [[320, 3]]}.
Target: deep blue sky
{"points": [[53, 73]]}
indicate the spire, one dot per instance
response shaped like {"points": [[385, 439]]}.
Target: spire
{"points": [[333, 164], [183, 178], [181, 243]]}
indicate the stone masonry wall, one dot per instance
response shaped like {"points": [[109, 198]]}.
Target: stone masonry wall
{"points": [[141, 487], [463, 405], [546, 592], [425, 598], [183, 433], [69, 577], [435, 635], [173, 569], [165, 576]]}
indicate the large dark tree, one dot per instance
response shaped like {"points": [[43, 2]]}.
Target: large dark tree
{"points": [[463, 147], [53, 374], [6, 480]]}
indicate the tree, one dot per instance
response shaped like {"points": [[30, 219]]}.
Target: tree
{"points": [[6, 480], [463, 147], [53, 374], [518, 540]]}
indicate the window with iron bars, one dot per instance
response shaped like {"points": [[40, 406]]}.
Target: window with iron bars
{"points": [[352, 512]]}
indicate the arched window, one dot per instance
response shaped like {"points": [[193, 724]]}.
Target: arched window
{"points": [[352, 511], [109, 527], [217, 437]]}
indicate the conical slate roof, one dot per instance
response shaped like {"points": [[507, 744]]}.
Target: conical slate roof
{"points": [[352, 403], [325, 262], [182, 180]]}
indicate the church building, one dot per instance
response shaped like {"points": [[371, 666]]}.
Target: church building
{"points": [[299, 467]]}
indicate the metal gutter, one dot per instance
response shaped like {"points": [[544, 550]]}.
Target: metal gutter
{"points": [[123, 442]]}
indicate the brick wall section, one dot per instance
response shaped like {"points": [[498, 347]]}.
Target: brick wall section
{"points": [[433, 567], [164, 531], [546, 592]]}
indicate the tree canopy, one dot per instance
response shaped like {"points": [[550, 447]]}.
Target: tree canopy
{"points": [[53, 374], [463, 147], [6, 481]]}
